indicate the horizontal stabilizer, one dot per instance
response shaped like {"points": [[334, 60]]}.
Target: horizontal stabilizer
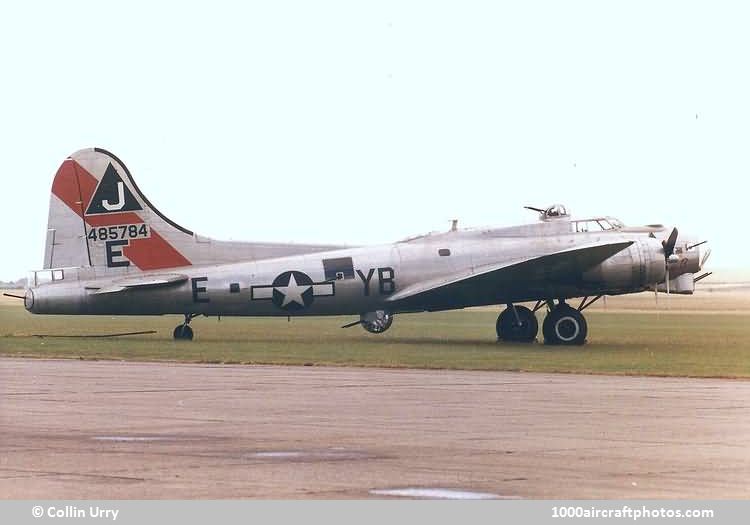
{"points": [[551, 267], [142, 281]]}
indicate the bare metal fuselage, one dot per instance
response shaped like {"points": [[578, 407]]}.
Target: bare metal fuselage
{"points": [[109, 251], [376, 275]]}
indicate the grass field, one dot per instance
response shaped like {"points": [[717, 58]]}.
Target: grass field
{"points": [[622, 340]]}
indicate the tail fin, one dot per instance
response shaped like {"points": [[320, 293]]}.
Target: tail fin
{"points": [[98, 217]]}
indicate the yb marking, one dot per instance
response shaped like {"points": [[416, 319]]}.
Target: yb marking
{"points": [[386, 280]]}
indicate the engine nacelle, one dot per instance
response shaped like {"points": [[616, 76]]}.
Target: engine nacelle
{"points": [[633, 269]]}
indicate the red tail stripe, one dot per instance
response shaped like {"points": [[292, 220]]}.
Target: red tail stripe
{"points": [[72, 178], [66, 186], [154, 253], [75, 186]]}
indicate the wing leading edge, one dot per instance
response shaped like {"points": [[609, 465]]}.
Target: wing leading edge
{"points": [[513, 275]]}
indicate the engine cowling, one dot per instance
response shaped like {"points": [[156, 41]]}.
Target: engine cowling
{"points": [[633, 269]]}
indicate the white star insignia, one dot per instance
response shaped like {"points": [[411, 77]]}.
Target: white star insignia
{"points": [[293, 292]]}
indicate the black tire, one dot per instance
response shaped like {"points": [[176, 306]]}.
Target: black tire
{"points": [[183, 333], [565, 325], [509, 330]]}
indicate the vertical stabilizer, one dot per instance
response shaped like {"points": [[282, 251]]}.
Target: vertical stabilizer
{"points": [[98, 217]]}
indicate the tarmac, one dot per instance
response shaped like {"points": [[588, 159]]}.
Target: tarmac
{"points": [[110, 430]]}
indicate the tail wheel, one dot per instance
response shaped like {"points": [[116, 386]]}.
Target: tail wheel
{"points": [[183, 332], [521, 330], [565, 325]]}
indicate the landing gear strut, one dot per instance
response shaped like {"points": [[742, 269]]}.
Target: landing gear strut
{"points": [[183, 332], [564, 325], [517, 324]]}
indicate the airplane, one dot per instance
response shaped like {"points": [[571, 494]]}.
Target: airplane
{"points": [[109, 251]]}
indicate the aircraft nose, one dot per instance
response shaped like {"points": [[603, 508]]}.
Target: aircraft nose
{"points": [[704, 252], [691, 255]]}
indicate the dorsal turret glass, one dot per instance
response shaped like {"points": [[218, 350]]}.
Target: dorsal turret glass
{"points": [[555, 211]]}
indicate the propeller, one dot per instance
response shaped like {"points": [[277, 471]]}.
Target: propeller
{"points": [[532, 208], [689, 262], [669, 244]]}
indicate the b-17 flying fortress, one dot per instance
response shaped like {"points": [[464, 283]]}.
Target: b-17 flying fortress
{"points": [[109, 251]]}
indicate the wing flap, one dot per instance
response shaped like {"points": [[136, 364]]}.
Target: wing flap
{"points": [[550, 267]]}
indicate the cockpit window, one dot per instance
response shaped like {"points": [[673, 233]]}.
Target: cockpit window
{"points": [[600, 224]]}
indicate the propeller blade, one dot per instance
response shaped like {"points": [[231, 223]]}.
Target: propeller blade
{"points": [[669, 244], [355, 323], [701, 277], [534, 209], [705, 257]]}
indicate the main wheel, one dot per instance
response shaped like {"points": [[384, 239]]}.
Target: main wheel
{"points": [[183, 332], [509, 329], [565, 325]]}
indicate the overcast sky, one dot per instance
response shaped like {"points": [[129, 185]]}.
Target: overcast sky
{"points": [[367, 122]]}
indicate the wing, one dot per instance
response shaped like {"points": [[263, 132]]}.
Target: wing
{"points": [[141, 281], [482, 284]]}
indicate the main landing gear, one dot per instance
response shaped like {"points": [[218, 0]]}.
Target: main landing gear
{"points": [[563, 325], [517, 324], [183, 332]]}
